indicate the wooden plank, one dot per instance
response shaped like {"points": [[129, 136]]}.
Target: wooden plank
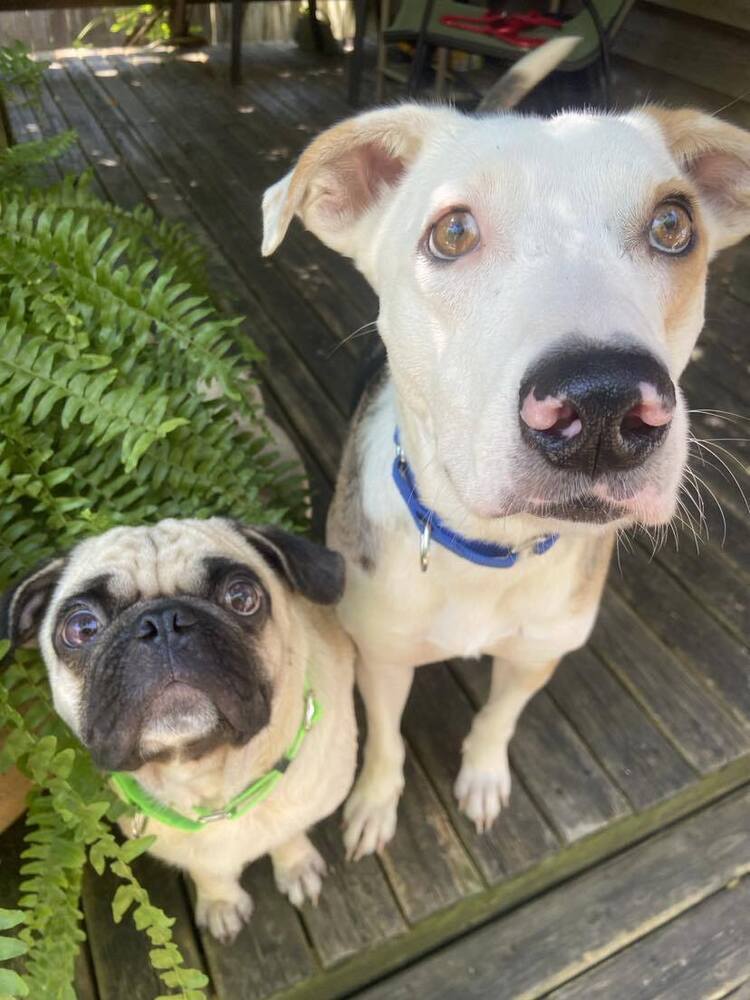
{"points": [[696, 720], [567, 783], [356, 907], [559, 935], [14, 788], [703, 390], [119, 951], [106, 160], [735, 13], [426, 862], [720, 586], [327, 281], [711, 56], [715, 350], [269, 954], [635, 83], [703, 953], [283, 286], [684, 627], [643, 763], [437, 718]]}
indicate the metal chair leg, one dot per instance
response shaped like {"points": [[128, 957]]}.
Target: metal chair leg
{"points": [[385, 16], [441, 71], [235, 65], [420, 51], [312, 7], [358, 52]]}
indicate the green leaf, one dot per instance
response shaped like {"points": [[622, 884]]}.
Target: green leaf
{"points": [[12, 985], [10, 918], [185, 978], [133, 849], [123, 898], [164, 958], [11, 948]]}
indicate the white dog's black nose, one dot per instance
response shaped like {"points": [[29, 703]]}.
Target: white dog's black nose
{"points": [[162, 621], [596, 410]]}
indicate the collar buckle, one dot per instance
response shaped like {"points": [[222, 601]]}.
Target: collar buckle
{"points": [[309, 717], [531, 544], [214, 817], [138, 824]]}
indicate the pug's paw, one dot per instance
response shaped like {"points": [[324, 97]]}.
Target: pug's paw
{"points": [[482, 792], [370, 815], [301, 877], [224, 918]]}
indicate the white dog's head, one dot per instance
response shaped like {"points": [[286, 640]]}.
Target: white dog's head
{"points": [[541, 287]]}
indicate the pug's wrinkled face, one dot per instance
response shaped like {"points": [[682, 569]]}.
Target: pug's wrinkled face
{"points": [[169, 640]]}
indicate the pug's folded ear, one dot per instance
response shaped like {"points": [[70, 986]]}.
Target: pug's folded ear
{"points": [[23, 606], [310, 569]]}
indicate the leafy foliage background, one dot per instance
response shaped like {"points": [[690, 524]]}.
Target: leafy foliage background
{"points": [[125, 397]]}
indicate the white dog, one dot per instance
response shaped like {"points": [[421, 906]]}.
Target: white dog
{"points": [[541, 287]]}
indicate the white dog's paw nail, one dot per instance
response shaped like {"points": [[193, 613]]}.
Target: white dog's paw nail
{"points": [[303, 880], [368, 825], [482, 794], [224, 918]]}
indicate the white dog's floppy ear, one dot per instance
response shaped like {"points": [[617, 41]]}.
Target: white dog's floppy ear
{"points": [[23, 606], [716, 156], [344, 171], [310, 569]]}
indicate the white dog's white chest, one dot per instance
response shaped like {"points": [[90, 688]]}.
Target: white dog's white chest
{"points": [[468, 628]]}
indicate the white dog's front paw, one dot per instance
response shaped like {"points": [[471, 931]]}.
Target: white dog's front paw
{"points": [[482, 792], [370, 814], [302, 879], [224, 918]]}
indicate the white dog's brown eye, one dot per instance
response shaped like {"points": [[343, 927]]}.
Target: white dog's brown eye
{"points": [[80, 627], [453, 235], [671, 229], [242, 597]]}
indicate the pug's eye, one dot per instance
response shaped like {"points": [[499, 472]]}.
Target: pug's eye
{"points": [[242, 597], [453, 235], [80, 628], [671, 229]]}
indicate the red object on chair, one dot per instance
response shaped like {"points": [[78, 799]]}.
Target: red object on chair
{"points": [[505, 27]]}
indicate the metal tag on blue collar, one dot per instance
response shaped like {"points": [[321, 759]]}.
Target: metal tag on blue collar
{"points": [[425, 538], [430, 528]]}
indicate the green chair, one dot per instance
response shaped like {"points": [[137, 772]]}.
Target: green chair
{"points": [[419, 21]]}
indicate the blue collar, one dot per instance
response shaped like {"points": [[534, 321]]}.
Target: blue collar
{"points": [[432, 529]]}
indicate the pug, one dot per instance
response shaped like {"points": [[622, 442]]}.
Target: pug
{"points": [[201, 664]]}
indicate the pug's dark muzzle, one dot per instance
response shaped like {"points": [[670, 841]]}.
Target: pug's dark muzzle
{"points": [[167, 662]]}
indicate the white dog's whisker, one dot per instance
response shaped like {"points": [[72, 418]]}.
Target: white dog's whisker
{"points": [[361, 331]]}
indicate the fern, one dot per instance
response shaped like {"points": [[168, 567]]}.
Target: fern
{"points": [[20, 163], [125, 397], [18, 70]]}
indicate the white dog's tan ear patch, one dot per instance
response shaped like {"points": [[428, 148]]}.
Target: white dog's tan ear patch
{"points": [[716, 156], [343, 173]]}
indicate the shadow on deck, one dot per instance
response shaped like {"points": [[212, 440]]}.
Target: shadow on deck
{"points": [[649, 723]]}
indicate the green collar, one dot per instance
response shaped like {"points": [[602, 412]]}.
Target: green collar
{"points": [[132, 792]]}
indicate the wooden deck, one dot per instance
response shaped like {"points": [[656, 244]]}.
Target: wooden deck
{"points": [[638, 752]]}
